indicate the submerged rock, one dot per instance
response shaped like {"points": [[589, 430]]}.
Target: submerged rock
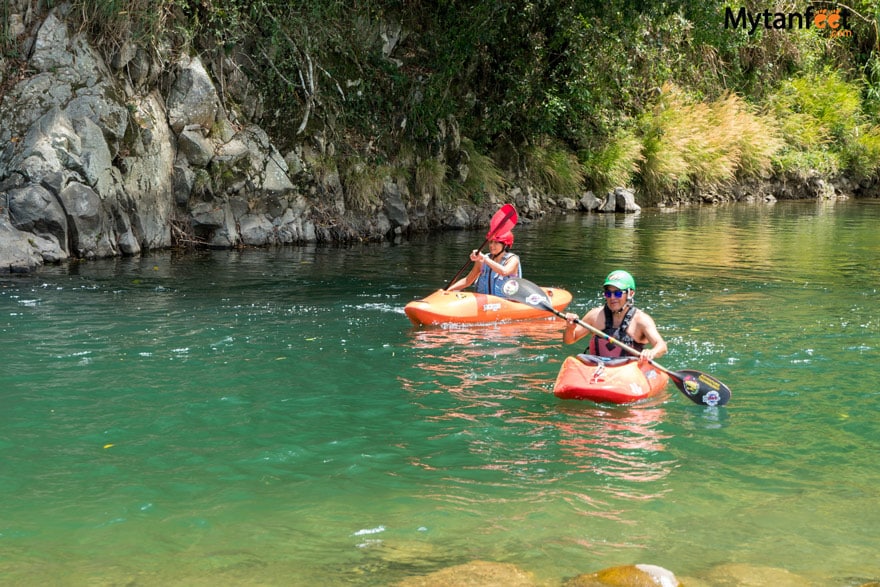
{"points": [[627, 576], [473, 574], [737, 574]]}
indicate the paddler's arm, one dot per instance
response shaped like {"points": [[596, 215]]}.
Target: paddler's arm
{"points": [[508, 268], [574, 331], [469, 278], [657, 346]]}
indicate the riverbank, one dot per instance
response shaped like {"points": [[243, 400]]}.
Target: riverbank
{"points": [[113, 156]]}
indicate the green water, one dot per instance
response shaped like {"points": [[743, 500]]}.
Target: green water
{"points": [[271, 418]]}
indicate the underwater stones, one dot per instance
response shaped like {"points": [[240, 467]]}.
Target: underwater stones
{"points": [[627, 576], [485, 574]]}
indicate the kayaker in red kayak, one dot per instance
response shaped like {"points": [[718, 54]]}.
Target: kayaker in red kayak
{"points": [[492, 269], [621, 320]]}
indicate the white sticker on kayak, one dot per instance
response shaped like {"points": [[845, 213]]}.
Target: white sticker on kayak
{"points": [[491, 307]]}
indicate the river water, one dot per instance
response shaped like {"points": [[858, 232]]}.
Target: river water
{"points": [[270, 417]]}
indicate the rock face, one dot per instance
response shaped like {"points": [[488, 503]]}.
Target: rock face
{"points": [[97, 163], [114, 159], [60, 190]]}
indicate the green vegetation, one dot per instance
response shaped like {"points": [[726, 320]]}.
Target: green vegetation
{"points": [[668, 96], [483, 177], [687, 144], [553, 168], [429, 176], [362, 183], [614, 162], [827, 129]]}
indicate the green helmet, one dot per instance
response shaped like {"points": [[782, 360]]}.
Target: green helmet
{"points": [[621, 280]]}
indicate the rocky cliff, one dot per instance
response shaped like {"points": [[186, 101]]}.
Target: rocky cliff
{"points": [[102, 159]]}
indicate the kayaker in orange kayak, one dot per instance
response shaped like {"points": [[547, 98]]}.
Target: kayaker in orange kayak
{"points": [[619, 319], [492, 269]]}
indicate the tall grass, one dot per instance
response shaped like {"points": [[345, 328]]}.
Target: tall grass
{"points": [[553, 168], [113, 22], [362, 183], [484, 178], [613, 163], [702, 145], [862, 155], [430, 179]]}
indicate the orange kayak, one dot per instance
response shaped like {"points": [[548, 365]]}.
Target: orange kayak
{"points": [[464, 307], [603, 380]]}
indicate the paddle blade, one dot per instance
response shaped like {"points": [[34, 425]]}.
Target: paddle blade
{"points": [[503, 221], [524, 291], [701, 388]]}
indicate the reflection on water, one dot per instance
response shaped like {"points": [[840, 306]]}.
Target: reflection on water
{"points": [[478, 370], [618, 442], [466, 361]]}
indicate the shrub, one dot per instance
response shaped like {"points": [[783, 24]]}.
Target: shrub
{"points": [[554, 168], [614, 163], [483, 177]]}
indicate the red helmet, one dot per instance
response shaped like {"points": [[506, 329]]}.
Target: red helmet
{"points": [[505, 238]]}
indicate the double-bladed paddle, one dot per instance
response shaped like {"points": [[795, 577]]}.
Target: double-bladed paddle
{"points": [[503, 221], [698, 387]]}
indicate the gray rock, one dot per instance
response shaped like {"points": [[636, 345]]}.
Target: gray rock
{"points": [[17, 254], [620, 200], [36, 210], [394, 208], [91, 233], [589, 202], [193, 99]]}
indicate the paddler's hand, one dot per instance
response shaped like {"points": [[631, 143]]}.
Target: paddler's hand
{"points": [[571, 318], [477, 256], [646, 356]]}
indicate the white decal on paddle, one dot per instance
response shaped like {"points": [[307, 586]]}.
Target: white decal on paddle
{"points": [[712, 398], [510, 287], [534, 300]]}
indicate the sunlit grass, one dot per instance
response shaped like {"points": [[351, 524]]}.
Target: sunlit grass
{"points": [[825, 131], [690, 144], [863, 151], [554, 168], [614, 163]]}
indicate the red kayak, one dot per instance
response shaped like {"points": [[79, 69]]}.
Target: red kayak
{"points": [[608, 380], [464, 307]]}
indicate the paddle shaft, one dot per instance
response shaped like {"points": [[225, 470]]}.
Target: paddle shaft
{"points": [[490, 236]]}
